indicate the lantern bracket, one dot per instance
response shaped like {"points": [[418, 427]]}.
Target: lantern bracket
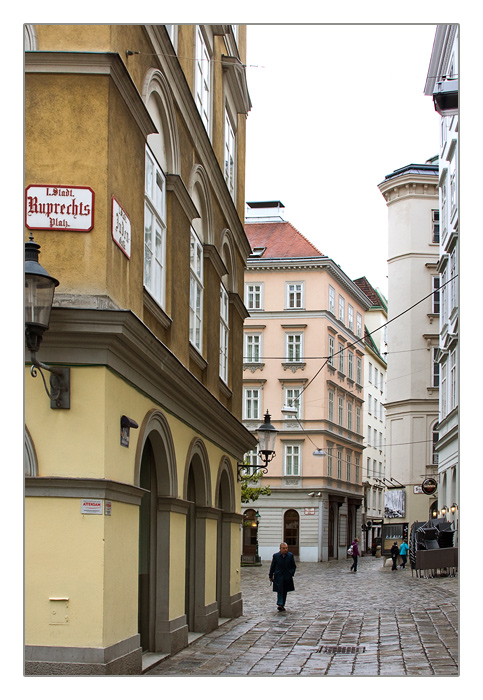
{"points": [[59, 393]]}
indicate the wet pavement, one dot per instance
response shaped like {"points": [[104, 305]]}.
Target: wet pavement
{"points": [[376, 622]]}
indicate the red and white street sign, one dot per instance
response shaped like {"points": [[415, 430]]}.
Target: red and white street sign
{"points": [[59, 208]]}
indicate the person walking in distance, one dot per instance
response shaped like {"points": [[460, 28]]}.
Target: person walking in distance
{"points": [[403, 551], [355, 554], [281, 574], [394, 555]]}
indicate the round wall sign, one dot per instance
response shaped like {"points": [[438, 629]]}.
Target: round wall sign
{"points": [[429, 486]]}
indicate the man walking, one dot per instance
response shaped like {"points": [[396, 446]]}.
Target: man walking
{"points": [[281, 574]]}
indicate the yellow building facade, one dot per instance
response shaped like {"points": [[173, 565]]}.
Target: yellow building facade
{"points": [[132, 534]]}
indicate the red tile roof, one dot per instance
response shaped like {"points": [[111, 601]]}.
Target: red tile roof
{"points": [[281, 240]]}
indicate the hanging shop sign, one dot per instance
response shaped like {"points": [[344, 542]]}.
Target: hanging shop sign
{"points": [[59, 208], [121, 228], [429, 486]]}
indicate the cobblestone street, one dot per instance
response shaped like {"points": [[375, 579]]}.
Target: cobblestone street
{"points": [[373, 623]]}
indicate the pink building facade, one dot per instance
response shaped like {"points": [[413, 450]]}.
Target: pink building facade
{"points": [[303, 349]]}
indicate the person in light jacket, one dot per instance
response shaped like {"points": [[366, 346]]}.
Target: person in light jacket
{"points": [[281, 574], [403, 551], [355, 554]]}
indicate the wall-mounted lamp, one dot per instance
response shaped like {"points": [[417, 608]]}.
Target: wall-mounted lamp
{"points": [[319, 453], [454, 507], [434, 513], [39, 295], [126, 425], [443, 511], [267, 435]]}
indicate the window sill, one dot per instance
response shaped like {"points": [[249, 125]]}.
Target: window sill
{"points": [[197, 357], [253, 366], [155, 309], [294, 366]]}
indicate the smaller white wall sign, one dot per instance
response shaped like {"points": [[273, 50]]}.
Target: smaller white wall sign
{"points": [[92, 506], [121, 228]]}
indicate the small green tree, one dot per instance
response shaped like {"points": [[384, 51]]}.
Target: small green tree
{"points": [[251, 492]]}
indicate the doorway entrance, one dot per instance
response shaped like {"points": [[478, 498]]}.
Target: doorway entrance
{"points": [[291, 527], [147, 549]]}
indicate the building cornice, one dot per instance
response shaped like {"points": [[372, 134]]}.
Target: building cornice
{"points": [[102, 64], [120, 341], [322, 263]]}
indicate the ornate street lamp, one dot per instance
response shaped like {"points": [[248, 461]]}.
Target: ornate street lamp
{"points": [[267, 435], [39, 295]]}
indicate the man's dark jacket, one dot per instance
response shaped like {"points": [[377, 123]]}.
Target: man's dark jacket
{"points": [[282, 571]]}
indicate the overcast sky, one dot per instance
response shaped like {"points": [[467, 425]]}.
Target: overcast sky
{"points": [[335, 109]]}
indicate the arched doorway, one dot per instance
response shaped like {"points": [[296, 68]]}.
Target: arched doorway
{"points": [[250, 535], [291, 528], [197, 488], [147, 550], [225, 506], [155, 472]]}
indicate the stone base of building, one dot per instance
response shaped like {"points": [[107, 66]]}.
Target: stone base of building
{"points": [[121, 659]]}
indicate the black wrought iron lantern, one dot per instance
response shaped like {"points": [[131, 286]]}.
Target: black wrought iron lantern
{"points": [[267, 435], [39, 296]]}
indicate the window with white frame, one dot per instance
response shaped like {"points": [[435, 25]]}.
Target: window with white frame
{"points": [[358, 419], [293, 399], [369, 404], [292, 460], [331, 350], [331, 299], [444, 297], [254, 296], [331, 405], [251, 403], [436, 294], [339, 464], [341, 309], [370, 373], [253, 344], [358, 370], [435, 225], [368, 466], [196, 292], [295, 295], [340, 412], [436, 368], [154, 229], [444, 205], [172, 30], [453, 185], [359, 325], [435, 456], [452, 381], [230, 154], [349, 415], [350, 365], [224, 333], [329, 460], [369, 435], [341, 358], [376, 377], [358, 467], [203, 79], [453, 285], [350, 317], [348, 464], [294, 347]]}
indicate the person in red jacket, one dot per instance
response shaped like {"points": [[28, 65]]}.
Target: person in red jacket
{"points": [[355, 554]]}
